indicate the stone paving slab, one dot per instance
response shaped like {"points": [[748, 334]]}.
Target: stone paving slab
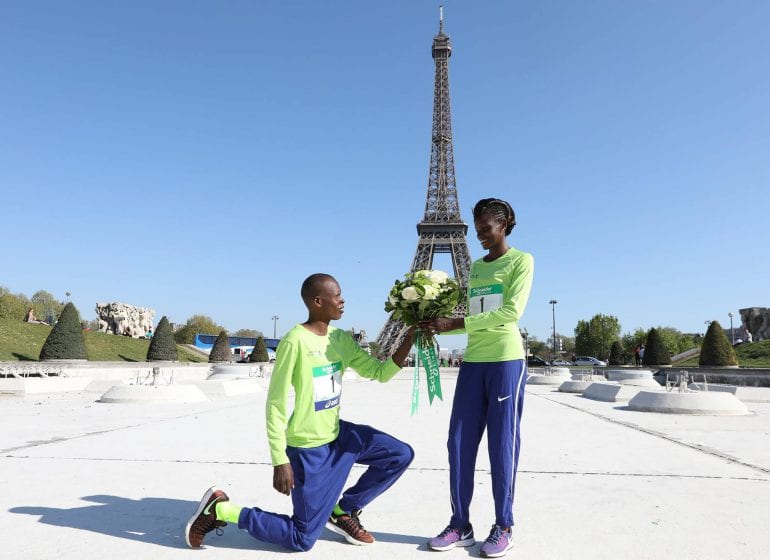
{"points": [[90, 480]]}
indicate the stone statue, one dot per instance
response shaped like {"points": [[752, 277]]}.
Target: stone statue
{"points": [[756, 321], [124, 319]]}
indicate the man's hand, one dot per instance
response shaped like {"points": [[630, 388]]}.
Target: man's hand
{"points": [[283, 478], [399, 356]]}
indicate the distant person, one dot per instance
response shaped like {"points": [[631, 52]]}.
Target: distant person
{"points": [[641, 354], [312, 449], [638, 355], [489, 394], [30, 317]]}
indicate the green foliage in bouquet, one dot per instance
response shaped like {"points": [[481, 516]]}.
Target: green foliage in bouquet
{"points": [[424, 294]]}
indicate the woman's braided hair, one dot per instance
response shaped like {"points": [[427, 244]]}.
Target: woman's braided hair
{"points": [[499, 209]]}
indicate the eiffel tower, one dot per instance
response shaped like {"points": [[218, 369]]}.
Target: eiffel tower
{"points": [[442, 229]]}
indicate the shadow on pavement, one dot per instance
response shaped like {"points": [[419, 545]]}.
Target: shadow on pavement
{"points": [[161, 521]]}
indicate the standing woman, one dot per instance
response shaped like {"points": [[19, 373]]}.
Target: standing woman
{"points": [[490, 385]]}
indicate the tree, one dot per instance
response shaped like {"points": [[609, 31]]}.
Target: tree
{"points": [[616, 354], [13, 306], [45, 305], [65, 341], [632, 341], [675, 341], [716, 349], [197, 324], [162, 345], [655, 351], [259, 354], [250, 333], [595, 337], [221, 352], [536, 347], [564, 344]]}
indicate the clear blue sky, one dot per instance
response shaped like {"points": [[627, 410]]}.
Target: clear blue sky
{"points": [[205, 157]]}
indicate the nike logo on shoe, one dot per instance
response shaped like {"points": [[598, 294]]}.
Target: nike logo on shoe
{"points": [[207, 511], [467, 535], [501, 399]]}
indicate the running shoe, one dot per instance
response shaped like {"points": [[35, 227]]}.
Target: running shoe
{"points": [[452, 537], [204, 520], [349, 526]]}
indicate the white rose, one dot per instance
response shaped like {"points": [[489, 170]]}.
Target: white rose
{"points": [[410, 294], [438, 276], [430, 292], [393, 300]]}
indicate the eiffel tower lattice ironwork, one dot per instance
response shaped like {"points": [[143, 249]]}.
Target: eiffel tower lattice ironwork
{"points": [[442, 229]]}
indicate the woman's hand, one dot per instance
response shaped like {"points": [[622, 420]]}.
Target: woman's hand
{"points": [[441, 324]]}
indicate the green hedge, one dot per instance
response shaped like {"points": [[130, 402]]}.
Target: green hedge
{"points": [[162, 345], [655, 351], [716, 349], [259, 354], [65, 341], [221, 352]]}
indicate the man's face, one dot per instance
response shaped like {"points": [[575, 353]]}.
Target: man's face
{"points": [[330, 301]]}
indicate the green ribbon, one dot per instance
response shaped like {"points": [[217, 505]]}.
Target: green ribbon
{"points": [[426, 353]]}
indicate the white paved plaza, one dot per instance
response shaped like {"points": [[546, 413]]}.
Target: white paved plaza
{"points": [[82, 479]]}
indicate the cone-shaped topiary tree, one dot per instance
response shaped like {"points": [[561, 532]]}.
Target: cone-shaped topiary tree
{"points": [[221, 352], [162, 345], [616, 354], [716, 349], [65, 341], [259, 354], [655, 351]]}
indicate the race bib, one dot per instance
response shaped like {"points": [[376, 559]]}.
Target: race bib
{"points": [[327, 386], [485, 298]]}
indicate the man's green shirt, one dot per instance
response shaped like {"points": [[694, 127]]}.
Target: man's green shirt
{"points": [[313, 365]]}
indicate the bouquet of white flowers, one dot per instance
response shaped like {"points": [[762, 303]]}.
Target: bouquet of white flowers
{"points": [[424, 294]]}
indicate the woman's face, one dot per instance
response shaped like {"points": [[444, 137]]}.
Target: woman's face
{"points": [[490, 231]]}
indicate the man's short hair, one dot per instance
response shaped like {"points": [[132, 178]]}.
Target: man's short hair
{"points": [[311, 287]]}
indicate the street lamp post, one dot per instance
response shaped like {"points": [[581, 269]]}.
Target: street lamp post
{"points": [[553, 303], [275, 320], [732, 333]]}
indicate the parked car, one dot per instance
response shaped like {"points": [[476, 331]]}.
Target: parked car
{"points": [[589, 361], [536, 361], [560, 362]]}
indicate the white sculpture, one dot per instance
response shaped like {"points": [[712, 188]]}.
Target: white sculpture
{"points": [[124, 319], [756, 321]]}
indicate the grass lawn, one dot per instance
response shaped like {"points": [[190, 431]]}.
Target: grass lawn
{"points": [[754, 355], [23, 341]]}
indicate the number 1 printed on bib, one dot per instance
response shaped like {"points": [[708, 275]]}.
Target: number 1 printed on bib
{"points": [[327, 386], [485, 298]]}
